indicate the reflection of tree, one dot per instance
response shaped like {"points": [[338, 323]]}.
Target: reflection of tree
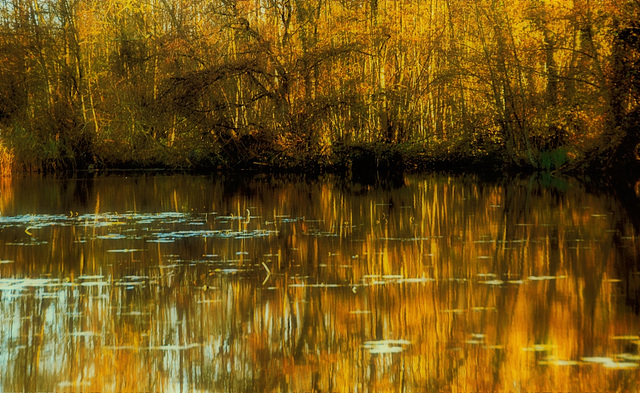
{"points": [[414, 263], [305, 341], [627, 214]]}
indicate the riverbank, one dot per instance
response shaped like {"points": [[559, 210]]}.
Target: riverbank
{"points": [[252, 155], [363, 162]]}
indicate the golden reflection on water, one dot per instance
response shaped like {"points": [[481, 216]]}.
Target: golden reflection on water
{"points": [[195, 283]]}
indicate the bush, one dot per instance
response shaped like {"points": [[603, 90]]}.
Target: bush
{"points": [[552, 160]]}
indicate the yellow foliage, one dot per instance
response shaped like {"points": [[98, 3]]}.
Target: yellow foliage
{"points": [[6, 160]]}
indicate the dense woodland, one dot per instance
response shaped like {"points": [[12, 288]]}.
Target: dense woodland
{"points": [[542, 84]]}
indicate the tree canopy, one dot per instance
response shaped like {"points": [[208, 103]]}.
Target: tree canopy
{"points": [[546, 84]]}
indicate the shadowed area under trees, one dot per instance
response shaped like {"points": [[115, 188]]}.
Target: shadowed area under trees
{"points": [[311, 84]]}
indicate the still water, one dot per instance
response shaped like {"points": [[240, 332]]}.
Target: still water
{"points": [[285, 284]]}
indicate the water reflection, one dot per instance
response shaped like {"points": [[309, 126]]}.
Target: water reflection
{"points": [[205, 283]]}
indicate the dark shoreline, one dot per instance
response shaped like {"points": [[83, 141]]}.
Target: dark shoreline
{"points": [[361, 162], [372, 173]]}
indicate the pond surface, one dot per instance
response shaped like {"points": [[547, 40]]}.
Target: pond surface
{"points": [[214, 284]]}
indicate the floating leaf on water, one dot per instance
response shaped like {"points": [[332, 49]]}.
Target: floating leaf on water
{"points": [[69, 384], [515, 282], [5, 261], [385, 349], [626, 338], [94, 277], [513, 241], [48, 296], [95, 284], [130, 284], [84, 334], [610, 363], [492, 282], [174, 347], [416, 280], [386, 342], [476, 339], [134, 277], [385, 346], [172, 236], [132, 313], [31, 243], [320, 285], [322, 234], [18, 283], [543, 278], [111, 236], [454, 311], [228, 271], [596, 359], [121, 347], [211, 301], [539, 348], [558, 362], [406, 239], [628, 356], [311, 220], [621, 365], [477, 309]]}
